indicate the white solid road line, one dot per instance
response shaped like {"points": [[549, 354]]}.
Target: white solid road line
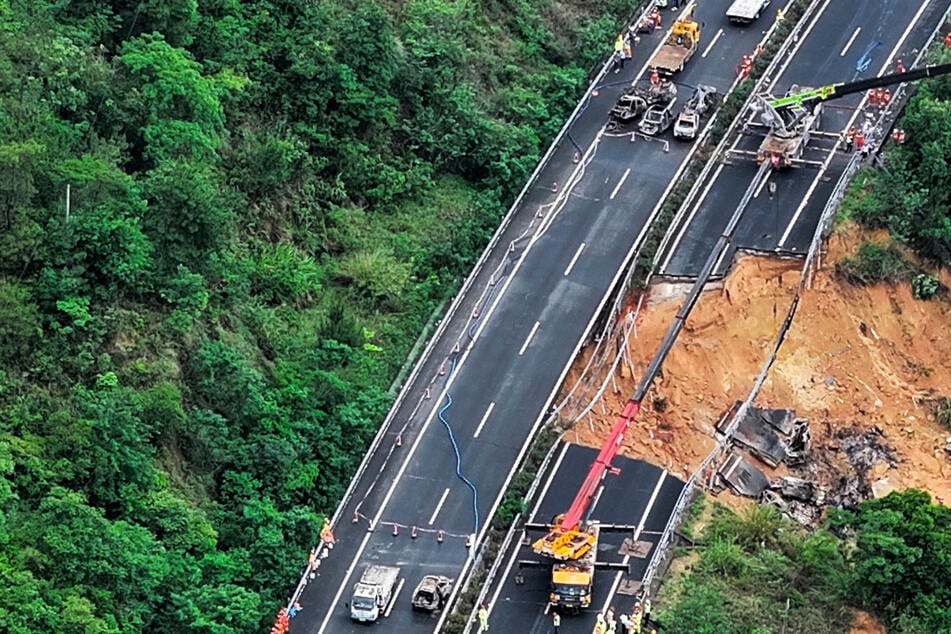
{"points": [[815, 183], [571, 264], [672, 249], [712, 42], [486, 318], [442, 501], [762, 185], [531, 518], [617, 187], [597, 498], [690, 217], [528, 339], [432, 414], [849, 43], [399, 587], [485, 417], [544, 491], [345, 584], [637, 534]]}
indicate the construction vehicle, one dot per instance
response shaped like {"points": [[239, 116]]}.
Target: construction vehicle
{"points": [[687, 125], [572, 538], [680, 46], [431, 593], [791, 120], [789, 130], [746, 11], [572, 574], [638, 99], [373, 593]]}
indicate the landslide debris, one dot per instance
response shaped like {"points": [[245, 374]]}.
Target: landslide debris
{"points": [[867, 366]]}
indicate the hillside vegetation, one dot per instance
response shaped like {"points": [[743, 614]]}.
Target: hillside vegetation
{"points": [[757, 573], [223, 224]]}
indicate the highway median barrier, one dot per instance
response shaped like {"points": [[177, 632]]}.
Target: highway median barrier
{"points": [[511, 509]]}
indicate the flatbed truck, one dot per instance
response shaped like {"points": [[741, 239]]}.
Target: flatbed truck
{"points": [[680, 46]]}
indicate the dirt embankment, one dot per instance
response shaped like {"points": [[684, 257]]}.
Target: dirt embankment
{"points": [[854, 359]]}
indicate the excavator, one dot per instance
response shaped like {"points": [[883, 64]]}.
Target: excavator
{"points": [[790, 120], [571, 540]]}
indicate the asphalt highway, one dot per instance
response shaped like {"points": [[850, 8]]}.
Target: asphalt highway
{"points": [[785, 221], [526, 335], [641, 495]]}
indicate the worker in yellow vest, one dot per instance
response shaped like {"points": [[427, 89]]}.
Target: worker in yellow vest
{"points": [[483, 619]]}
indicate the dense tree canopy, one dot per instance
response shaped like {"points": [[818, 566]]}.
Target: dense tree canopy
{"points": [[911, 197], [222, 225]]}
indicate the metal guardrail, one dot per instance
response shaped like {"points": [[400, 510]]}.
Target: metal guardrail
{"points": [[811, 259], [320, 549], [687, 493], [719, 149], [612, 329]]}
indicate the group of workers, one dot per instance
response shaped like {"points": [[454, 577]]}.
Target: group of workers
{"points": [[624, 43], [652, 21], [633, 623], [855, 138], [282, 624], [622, 52], [879, 97]]}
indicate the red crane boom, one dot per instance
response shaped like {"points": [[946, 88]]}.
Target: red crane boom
{"points": [[601, 465]]}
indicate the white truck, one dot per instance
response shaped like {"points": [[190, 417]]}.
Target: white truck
{"points": [[746, 11], [373, 593]]}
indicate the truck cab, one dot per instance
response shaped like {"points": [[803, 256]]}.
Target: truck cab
{"points": [[571, 587], [365, 605]]}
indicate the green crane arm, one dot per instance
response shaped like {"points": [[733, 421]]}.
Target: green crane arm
{"points": [[834, 91]]}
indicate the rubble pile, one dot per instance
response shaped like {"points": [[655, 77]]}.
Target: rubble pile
{"points": [[772, 459]]}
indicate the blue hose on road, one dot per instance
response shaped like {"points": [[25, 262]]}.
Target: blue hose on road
{"points": [[455, 448]]}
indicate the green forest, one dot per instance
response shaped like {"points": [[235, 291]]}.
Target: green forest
{"points": [[757, 573], [223, 225]]}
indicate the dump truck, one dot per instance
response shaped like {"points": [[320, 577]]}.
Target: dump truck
{"points": [[746, 11], [680, 46], [373, 593], [431, 593]]}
